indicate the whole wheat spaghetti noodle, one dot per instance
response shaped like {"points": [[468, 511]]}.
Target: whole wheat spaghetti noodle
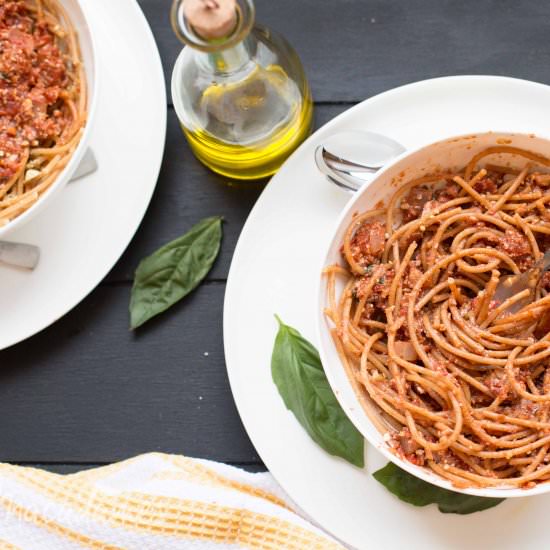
{"points": [[460, 382], [42, 100]]}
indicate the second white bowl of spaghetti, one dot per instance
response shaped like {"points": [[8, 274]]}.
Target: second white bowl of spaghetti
{"points": [[448, 383], [47, 102]]}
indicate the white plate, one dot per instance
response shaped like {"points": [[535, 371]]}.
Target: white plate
{"points": [[275, 270], [86, 228]]}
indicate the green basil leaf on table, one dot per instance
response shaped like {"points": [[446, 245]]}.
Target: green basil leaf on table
{"points": [[174, 270], [299, 376], [410, 489]]}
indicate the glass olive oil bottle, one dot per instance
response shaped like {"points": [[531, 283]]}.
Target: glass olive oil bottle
{"points": [[239, 89]]}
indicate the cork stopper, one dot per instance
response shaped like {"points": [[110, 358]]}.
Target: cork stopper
{"points": [[211, 19]]}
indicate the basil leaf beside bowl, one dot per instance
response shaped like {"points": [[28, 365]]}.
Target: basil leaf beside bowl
{"points": [[174, 270], [413, 490], [299, 376]]}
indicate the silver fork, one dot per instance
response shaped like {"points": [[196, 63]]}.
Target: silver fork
{"points": [[27, 256], [513, 284]]}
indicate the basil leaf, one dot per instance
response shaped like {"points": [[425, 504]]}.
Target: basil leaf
{"points": [[410, 489], [299, 376], [174, 270]]}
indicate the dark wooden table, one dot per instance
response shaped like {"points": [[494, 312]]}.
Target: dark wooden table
{"points": [[86, 391]]}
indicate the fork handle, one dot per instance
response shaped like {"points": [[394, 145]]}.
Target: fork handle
{"points": [[545, 261]]}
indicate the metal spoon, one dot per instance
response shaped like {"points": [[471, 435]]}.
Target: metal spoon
{"points": [[21, 255], [26, 256], [350, 158]]}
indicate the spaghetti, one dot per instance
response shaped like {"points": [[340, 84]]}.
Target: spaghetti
{"points": [[42, 100], [458, 382]]}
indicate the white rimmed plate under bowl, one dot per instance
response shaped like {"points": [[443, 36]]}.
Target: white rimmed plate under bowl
{"points": [[275, 269]]}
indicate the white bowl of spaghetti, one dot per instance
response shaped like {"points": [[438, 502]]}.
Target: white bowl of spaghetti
{"points": [[448, 383], [47, 101]]}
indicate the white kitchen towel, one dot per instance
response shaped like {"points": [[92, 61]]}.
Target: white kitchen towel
{"points": [[153, 501]]}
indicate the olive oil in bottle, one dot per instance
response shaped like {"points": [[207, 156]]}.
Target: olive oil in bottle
{"points": [[239, 89]]}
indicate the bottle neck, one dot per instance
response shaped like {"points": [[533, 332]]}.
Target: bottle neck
{"points": [[226, 61]]}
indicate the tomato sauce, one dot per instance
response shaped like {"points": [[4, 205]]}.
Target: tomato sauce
{"points": [[33, 82]]}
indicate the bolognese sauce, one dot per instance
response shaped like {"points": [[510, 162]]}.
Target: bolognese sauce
{"points": [[32, 78]]}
